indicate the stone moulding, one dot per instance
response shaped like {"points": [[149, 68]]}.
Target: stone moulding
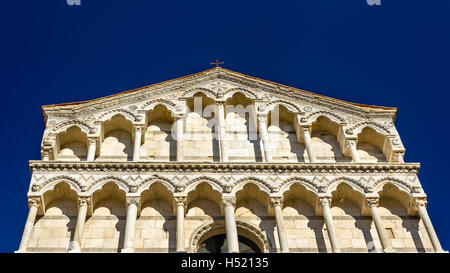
{"points": [[221, 167]]}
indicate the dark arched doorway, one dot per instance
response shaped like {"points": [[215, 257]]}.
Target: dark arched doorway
{"points": [[218, 244]]}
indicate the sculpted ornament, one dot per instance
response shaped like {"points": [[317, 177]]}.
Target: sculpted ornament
{"points": [[181, 200], [229, 200], [420, 202], [276, 201], [372, 201], [34, 202], [133, 200]]}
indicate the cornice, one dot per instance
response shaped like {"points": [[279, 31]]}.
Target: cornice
{"points": [[222, 167]]}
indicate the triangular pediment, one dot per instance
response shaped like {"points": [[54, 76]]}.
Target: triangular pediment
{"points": [[217, 83]]}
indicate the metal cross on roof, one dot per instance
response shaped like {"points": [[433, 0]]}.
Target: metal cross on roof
{"points": [[217, 63]]}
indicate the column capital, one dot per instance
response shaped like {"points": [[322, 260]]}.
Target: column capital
{"points": [[305, 129], [372, 201], [93, 140], [178, 116], [229, 200], [262, 117], [84, 201], [34, 202], [181, 200], [133, 200], [138, 127], [420, 202], [276, 201], [350, 143], [220, 102], [325, 200]]}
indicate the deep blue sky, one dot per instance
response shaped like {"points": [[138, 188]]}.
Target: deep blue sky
{"points": [[396, 54]]}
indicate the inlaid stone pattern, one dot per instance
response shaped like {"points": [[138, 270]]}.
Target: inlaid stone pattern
{"points": [[165, 167]]}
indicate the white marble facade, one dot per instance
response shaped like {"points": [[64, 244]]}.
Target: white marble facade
{"points": [[165, 167]]}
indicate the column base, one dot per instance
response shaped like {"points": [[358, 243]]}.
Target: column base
{"points": [[389, 250], [127, 250]]}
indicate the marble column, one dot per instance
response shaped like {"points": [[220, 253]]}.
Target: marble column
{"points": [[33, 204], [130, 225], [325, 203], [181, 204], [308, 146], [230, 224], [385, 242], [282, 237], [83, 203], [91, 149], [179, 134], [263, 133], [351, 144], [222, 130], [421, 208], [137, 141]]}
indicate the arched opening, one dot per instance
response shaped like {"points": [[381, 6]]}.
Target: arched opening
{"points": [[72, 145], [117, 139], [218, 244], [105, 228], [406, 232], [155, 226], [353, 230], [303, 228], [370, 146], [200, 137], [54, 231], [283, 137], [242, 142], [203, 203], [324, 141], [159, 144]]}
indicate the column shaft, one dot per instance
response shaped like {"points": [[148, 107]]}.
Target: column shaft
{"points": [[180, 129], [28, 228], [130, 228], [353, 151], [137, 142], [330, 228], [81, 219], [264, 137], [180, 228], [385, 242], [222, 132], [91, 149], [307, 141], [280, 229], [231, 230], [430, 229]]}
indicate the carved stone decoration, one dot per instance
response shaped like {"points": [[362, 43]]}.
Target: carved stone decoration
{"points": [[420, 202], [325, 200], [180, 200], [372, 201], [229, 200], [133, 200], [276, 201], [84, 201], [34, 201], [179, 188]]}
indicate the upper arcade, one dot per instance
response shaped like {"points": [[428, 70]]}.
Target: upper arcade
{"points": [[220, 115]]}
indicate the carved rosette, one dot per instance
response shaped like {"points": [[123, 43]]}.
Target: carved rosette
{"points": [[229, 200]]}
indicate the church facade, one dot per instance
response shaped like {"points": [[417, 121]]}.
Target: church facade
{"points": [[219, 161]]}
